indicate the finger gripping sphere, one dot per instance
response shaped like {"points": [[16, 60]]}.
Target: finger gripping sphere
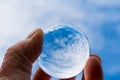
{"points": [[65, 51]]}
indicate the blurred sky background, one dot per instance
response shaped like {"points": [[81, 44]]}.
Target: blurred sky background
{"points": [[100, 20]]}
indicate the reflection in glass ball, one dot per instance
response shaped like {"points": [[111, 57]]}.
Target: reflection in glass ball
{"points": [[65, 51]]}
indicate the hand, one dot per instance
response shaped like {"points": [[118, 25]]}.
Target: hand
{"points": [[18, 60]]}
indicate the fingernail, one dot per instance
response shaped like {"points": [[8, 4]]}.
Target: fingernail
{"points": [[96, 56], [34, 42], [34, 32]]}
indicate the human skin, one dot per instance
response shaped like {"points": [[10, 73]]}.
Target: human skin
{"points": [[18, 60]]}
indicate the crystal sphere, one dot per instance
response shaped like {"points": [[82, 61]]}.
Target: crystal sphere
{"points": [[65, 51]]}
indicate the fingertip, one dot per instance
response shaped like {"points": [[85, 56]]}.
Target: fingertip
{"points": [[34, 44], [35, 32], [41, 75], [73, 78], [93, 69], [97, 57]]}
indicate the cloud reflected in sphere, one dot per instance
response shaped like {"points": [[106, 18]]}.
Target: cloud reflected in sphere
{"points": [[65, 51]]}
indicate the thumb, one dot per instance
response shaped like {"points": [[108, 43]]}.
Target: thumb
{"points": [[17, 62]]}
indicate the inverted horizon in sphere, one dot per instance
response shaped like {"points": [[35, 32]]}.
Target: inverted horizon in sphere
{"points": [[65, 51]]}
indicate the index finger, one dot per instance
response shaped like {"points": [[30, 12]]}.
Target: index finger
{"points": [[93, 69]]}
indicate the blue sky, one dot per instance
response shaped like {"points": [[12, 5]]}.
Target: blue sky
{"points": [[99, 19]]}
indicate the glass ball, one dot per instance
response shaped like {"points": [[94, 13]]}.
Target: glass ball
{"points": [[65, 51]]}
